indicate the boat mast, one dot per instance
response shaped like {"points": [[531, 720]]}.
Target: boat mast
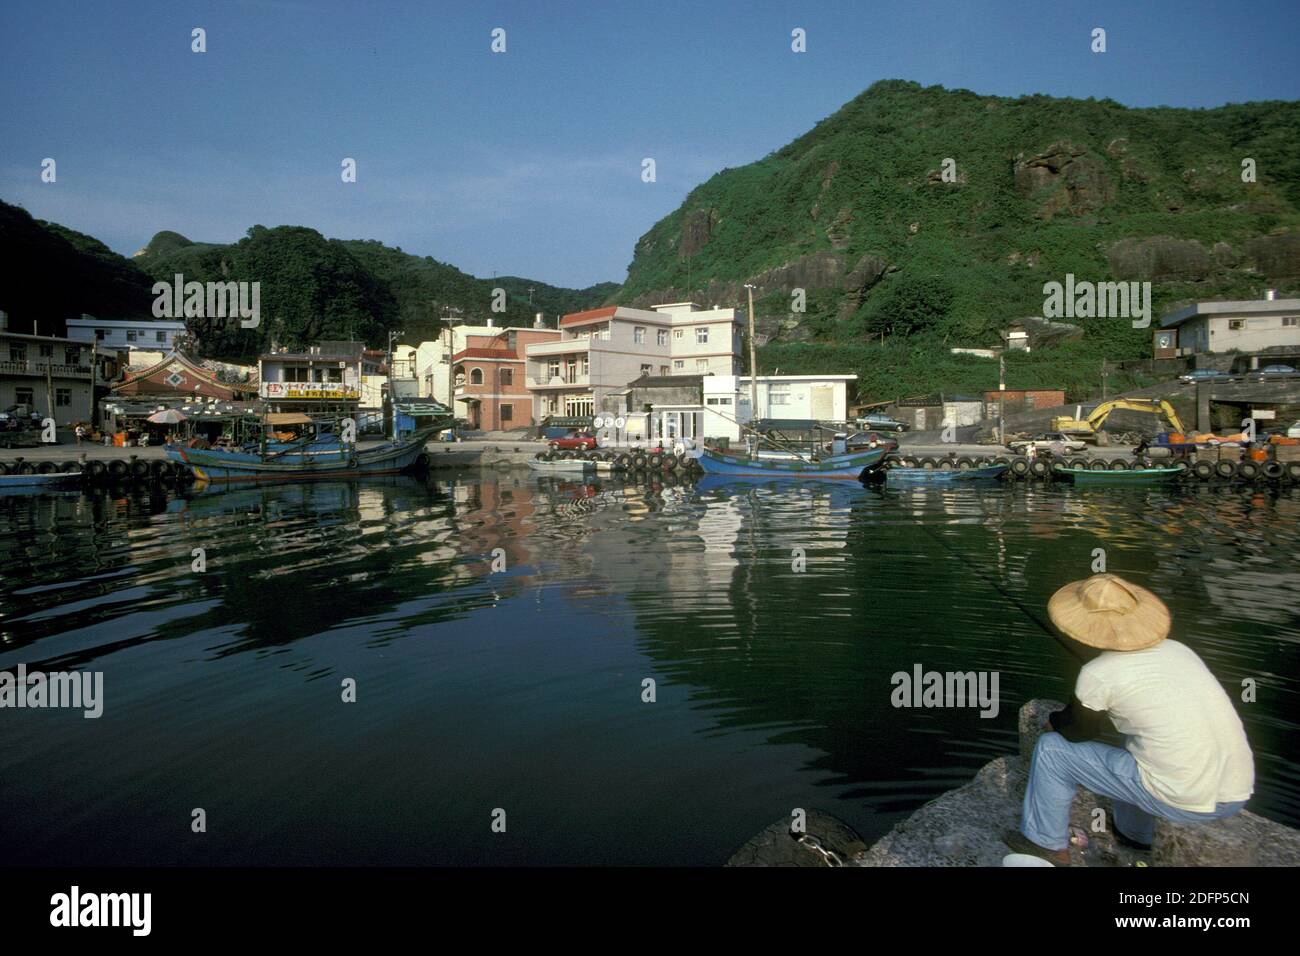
{"points": [[753, 372]]}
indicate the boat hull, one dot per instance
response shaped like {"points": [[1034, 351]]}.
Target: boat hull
{"points": [[945, 476], [1137, 476], [22, 484], [840, 467], [329, 462]]}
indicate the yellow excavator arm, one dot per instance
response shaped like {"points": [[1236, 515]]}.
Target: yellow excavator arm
{"points": [[1092, 424]]}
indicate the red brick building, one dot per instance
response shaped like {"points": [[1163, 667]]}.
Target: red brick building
{"points": [[489, 377]]}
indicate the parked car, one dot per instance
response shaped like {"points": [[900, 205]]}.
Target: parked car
{"points": [[1205, 375], [1045, 441], [574, 441], [10, 422], [863, 441], [1293, 431], [882, 421], [1274, 371]]}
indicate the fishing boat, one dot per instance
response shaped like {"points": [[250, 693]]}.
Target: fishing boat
{"points": [[317, 453], [1136, 476], [849, 466], [945, 475], [565, 466], [34, 484]]}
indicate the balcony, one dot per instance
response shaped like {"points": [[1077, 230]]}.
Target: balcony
{"points": [[37, 368], [562, 347], [560, 381]]}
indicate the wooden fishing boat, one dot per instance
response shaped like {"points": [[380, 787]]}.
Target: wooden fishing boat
{"points": [[27, 484], [1136, 476], [945, 475], [842, 467], [316, 456], [563, 466]]}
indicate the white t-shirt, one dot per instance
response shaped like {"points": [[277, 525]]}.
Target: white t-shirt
{"points": [[1187, 739]]}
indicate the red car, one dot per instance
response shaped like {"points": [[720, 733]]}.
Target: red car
{"points": [[574, 441]]}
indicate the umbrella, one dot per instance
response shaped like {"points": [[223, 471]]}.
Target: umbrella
{"points": [[169, 416]]}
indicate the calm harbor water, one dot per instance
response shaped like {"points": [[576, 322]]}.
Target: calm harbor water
{"points": [[522, 688]]}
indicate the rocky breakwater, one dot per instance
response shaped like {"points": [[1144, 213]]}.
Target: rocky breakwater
{"points": [[964, 827]]}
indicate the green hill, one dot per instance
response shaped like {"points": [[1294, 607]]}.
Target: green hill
{"points": [[858, 213], [57, 273]]}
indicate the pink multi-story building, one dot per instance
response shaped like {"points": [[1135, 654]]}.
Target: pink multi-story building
{"points": [[489, 377]]}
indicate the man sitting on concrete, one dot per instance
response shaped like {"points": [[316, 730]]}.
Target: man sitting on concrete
{"points": [[1186, 757]]}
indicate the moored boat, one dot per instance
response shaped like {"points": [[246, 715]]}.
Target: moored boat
{"points": [[26, 484], [315, 456], [842, 467], [945, 475], [1135, 476]]}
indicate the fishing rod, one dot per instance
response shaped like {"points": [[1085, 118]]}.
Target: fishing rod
{"points": [[1045, 628]]}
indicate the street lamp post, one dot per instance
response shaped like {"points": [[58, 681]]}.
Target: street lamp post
{"points": [[753, 372]]}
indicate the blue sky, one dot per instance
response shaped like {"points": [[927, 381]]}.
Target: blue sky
{"points": [[528, 162]]}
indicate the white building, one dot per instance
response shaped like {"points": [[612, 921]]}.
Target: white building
{"points": [[154, 334], [601, 350], [1250, 326], [822, 398], [428, 364]]}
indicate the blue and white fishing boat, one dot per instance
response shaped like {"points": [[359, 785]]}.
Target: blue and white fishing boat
{"points": [[945, 475], [316, 454], [845, 467]]}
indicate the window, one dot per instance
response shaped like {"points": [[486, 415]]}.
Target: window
{"points": [[23, 395], [476, 376], [47, 351], [297, 373], [701, 365], [334, 375], [507, 413], [318, 375], [1289, 320], [100, 334], [160, 336], [678, 363], [718, 401], [130, 335], [1235, 325], [62, 397], [553, 368], [17, 353], [638, 335], [71, 356], [662, 336], [678, 333], [701, 334], [645, 369], [778, 395], [663, 369], [507, 378], [586, 364]]}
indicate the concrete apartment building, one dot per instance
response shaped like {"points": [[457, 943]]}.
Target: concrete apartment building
{"points": [[1250, 326], [600, 351], [154, 334], [51, 376], [490, 377]]}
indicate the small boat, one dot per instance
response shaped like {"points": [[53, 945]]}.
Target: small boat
{"points": [[1136, 476], [28, 484], [944, 475], [843, 467], [564, 466], [316, 456]]}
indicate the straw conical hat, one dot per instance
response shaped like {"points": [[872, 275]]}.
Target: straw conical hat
{"points": [[1107, 612]]}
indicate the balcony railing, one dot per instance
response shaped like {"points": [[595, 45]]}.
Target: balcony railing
{"points": [[34, 367], [559, 381]]}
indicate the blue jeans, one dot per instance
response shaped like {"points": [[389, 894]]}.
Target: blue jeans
{"points": [[1109, 771]]}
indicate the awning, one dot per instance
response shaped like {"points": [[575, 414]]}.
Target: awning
{"points": [[288, 418]]}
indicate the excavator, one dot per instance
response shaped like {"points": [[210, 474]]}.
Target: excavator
{"points": [[1090, 428]]}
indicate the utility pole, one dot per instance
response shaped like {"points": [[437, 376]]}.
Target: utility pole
{"points": [[1104, 378], [1002, 391], [753, 371]]}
